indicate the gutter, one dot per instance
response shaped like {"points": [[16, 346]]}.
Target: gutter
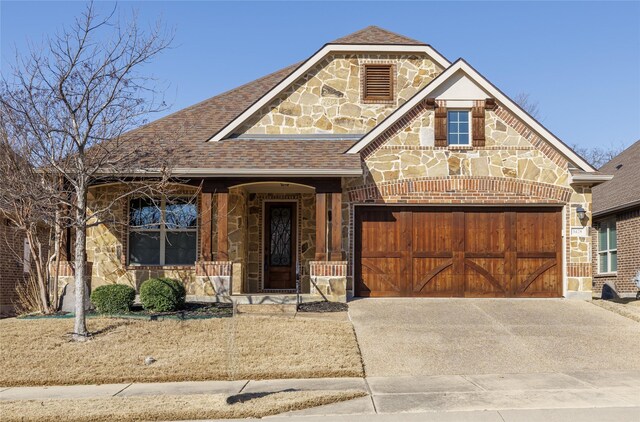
{"points": [[239, 172], [594, 179]]}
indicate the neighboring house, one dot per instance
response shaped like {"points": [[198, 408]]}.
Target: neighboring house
{"points": [[616, 220], [376, 167], [15, 264]]}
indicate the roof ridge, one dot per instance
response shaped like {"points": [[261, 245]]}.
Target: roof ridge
{"points": [[374, 34]]}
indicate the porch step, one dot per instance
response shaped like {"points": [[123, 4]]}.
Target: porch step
{"points": [[271, 299]]}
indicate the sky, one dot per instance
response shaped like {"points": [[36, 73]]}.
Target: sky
{"points": [[580, 61]]}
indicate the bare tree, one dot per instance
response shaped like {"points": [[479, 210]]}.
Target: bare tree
{"points": [[70, 106], [532, 107], [599, 155]]}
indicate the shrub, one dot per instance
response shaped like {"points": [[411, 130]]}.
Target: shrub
{"points": [[162, 294], [113, 298]]}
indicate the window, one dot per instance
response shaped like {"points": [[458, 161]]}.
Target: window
{"points": [[607, 247], [378, 82], [458, 132], [162, 232]]}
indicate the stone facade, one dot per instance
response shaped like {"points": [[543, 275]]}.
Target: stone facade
{"points": [[306, 236], [329, 280], [513, 167], [628, 243], [107, 244], [328, 99]]}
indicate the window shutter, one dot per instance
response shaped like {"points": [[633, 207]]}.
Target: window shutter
{"points": [[440, 123], [477, 116], [378, 82]]}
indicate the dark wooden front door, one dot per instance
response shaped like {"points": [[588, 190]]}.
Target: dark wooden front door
{"points": [[280, 245], [448, 252]]}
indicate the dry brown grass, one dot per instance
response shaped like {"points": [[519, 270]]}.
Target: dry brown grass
{"points": [[154, 408], [39, 352]]}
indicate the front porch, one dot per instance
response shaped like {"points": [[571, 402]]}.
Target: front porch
{"points": [[263, 241]]}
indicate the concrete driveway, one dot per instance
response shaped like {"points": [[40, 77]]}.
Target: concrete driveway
{"points": [[491, 336]]}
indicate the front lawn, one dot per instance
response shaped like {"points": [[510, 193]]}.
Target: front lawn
{"points": [[39, 352]]}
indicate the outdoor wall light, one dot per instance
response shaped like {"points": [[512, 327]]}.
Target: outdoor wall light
{"points": [[581, 212]]}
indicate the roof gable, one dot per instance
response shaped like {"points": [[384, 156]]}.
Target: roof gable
{"points": [[623, 190], [443, 84], [388, 45]]}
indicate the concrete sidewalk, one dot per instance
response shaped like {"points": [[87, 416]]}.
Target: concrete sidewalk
{"points": [[618, 414], [441, 394]]}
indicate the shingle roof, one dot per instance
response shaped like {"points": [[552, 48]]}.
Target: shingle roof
{"points": [[200, 121], [376, 35], [271, 154], [182, 136], [624, 188]]}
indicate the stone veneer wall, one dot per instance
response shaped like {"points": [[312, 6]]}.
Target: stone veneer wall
{"points": [[628, 241], [306, 215], [237, 235], [514, 167], [107, 246], [328, 99]]}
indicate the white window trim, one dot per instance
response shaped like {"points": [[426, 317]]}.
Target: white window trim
{"points": [[607, 251], [163, 234], [462, 146]]}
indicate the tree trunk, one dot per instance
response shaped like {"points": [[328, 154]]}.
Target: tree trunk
{"points": [[80, 327], [35, 250]]}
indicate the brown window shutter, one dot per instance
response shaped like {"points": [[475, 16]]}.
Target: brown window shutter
{"points": [[378, 82], [477, 116], [440, 124]]}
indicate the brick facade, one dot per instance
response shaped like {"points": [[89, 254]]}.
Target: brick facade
{"points": [[12, 269], [11, 265], [628, 239]]}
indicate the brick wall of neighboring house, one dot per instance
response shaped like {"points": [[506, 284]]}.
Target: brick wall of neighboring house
{"points": [[628, 239], [11, 265]]}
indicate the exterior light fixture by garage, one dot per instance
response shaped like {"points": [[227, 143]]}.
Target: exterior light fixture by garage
{"points": [[581, 212]]}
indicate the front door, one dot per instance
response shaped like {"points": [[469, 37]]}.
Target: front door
{"points": [[280, 246]]}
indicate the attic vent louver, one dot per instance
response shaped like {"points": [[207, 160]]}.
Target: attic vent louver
{"points": [[378, 82]]}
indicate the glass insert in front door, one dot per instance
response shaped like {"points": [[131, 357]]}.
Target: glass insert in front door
{"points": [[280, 241]]}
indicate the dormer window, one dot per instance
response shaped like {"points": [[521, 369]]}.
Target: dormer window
{"points": [[458, 128], [377, 83]]}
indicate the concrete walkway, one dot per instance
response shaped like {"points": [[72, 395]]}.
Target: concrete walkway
{"points": [[442, 394]]}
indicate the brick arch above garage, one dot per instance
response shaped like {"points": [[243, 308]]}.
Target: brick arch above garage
{"points": [[467, 190]]}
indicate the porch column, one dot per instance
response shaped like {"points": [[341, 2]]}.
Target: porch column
{"points": [[321, 226], [336, 227], [223, 241], [205, 227]]}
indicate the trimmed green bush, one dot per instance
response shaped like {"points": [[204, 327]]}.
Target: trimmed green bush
{"points": [[162, 295], [113, 298]]}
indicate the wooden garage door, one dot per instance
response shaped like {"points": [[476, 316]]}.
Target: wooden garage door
{"points": [[447, 252]]}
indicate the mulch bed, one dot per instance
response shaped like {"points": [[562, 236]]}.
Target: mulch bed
{"points": [[192, 310], [323, 307]]}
